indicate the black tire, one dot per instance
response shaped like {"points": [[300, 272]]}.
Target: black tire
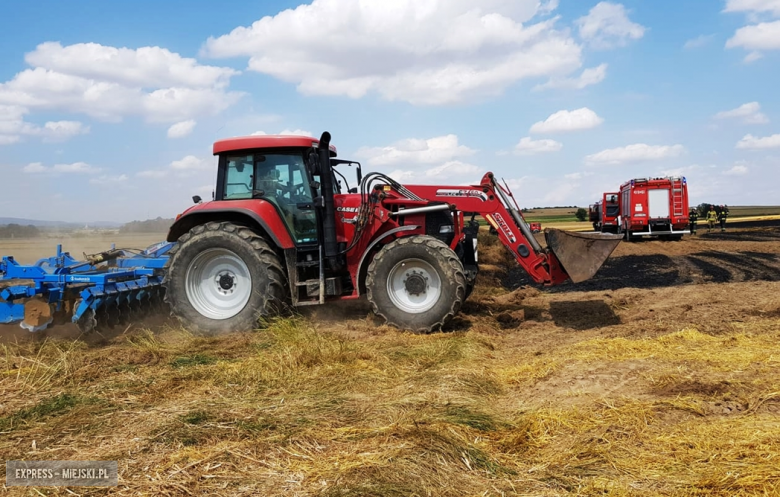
{"points": [[441, 259], [268, 292], [469, 289]]}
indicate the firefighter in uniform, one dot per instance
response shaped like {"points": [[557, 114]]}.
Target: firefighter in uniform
{"points": [[712, 218], [724, 213], [693, 216]]}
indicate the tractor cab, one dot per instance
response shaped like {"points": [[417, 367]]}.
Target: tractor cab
{"points": [[278, 177]]}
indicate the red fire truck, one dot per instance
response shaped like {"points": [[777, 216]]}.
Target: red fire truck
{"points": [[604, 213], [654, 207]]}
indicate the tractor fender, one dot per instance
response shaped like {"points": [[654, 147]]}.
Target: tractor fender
{"points": [[363, 264], [270, 226]]}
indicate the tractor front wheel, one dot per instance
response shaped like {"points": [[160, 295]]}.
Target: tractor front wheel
{"points": [[221, 278], [416, 283]]}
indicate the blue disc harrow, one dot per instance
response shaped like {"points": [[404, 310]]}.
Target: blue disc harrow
{"points": [[109, 288]]}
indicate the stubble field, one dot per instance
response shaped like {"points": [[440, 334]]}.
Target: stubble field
{"points": [[661, 376]]}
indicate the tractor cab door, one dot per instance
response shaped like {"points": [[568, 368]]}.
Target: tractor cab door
{"points": [[280, 179]]}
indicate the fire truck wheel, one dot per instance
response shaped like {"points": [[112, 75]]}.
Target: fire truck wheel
{"points": [[222, 278], [416, 283]]}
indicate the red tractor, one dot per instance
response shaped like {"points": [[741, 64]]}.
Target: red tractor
{"points": [[285, 227]]}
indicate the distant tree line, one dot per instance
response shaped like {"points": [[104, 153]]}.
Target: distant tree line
{"points": [[19, 231], [702, 209], [149, 226]]}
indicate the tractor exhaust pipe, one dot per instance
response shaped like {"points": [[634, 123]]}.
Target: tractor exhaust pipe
{"points": [[329, 211]]}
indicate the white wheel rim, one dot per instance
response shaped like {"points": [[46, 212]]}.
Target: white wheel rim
{"points": [[218, 283], [414, 286]]}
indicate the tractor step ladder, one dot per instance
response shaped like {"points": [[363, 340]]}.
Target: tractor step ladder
{"points": [[677, 197]]}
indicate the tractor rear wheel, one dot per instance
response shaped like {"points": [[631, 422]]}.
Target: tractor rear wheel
{"points": [[221, 277], [416, 283]]}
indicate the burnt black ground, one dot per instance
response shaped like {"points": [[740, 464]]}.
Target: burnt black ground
{"points": [[758, 260]]}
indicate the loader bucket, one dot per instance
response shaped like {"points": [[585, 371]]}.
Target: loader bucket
{"points": [[581, 254]]}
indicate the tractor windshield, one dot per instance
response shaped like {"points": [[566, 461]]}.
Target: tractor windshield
{"points": [[277, 178]]}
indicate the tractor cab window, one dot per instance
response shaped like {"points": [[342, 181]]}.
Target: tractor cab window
{"points": [[280, 179], [283, 181], [239, 178]]}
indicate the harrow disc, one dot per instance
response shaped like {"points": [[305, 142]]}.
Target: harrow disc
{"points": [[87, 322]]}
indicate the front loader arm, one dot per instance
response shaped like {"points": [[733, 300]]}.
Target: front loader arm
{"points": [[568, 255], [491, 201]]}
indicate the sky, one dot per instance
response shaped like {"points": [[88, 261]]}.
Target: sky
{"points": [[108, 110]]}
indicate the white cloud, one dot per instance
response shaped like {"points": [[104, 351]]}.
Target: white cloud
{"points": [[750, 142], [698, 42], [561, 193], [772, 6], [449, 173], [527, 146], [685, 170], [426, 52], [111, 83], [62, 130], [638, 152], [191, 163], [141, 68], [181, 129], [13, 127], [763, 36], [592, 76], [35, 167], [153, 173], [752, 57], [737, 170], [439, 149], [607, 25], [187, 166], [538, 191], [578, 175], [749, 113], [74, 168], [564, 120], [109, 180], [287, 132], [295, 132]]}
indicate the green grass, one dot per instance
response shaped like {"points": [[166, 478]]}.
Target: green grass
{"points": [[194, 360], [52, 406]]}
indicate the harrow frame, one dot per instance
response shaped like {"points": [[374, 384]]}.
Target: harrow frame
{"points": [[117, 279]]}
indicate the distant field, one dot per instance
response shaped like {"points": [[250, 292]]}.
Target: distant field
{"points": [[29, 250], [749, 211]]}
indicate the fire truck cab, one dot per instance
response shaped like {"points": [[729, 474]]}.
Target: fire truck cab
{"points": [[604, 213]]}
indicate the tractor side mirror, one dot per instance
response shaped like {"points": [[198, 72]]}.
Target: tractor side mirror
{"points": [[313, 162], [196, 199]]}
